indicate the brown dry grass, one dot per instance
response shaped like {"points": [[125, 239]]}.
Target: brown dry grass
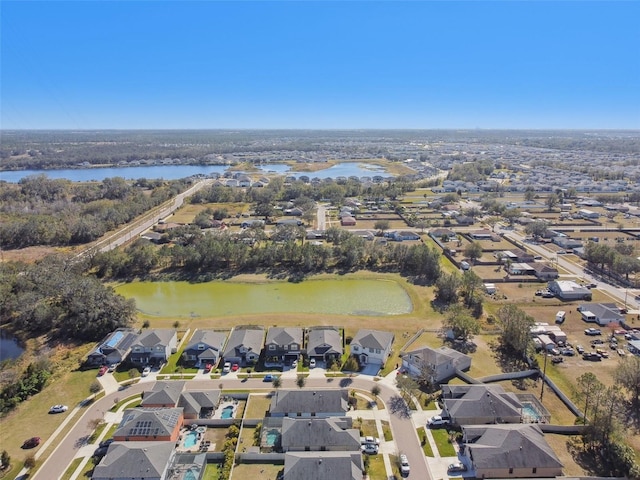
{"points": [[263, 471]]}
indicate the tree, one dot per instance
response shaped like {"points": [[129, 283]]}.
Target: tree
{"points": [[407, 386], [511, 214], [447, 288], [381, 225], [473, 251], [5, 460], [552, 201], [301, 380], [351, 365], [529, 194], [133, 373], [276, 382], [30, 462], [470, 285], [628, 375], [588, 385], [537, 228], [426, 376], [95, 387], [515, 326], [375, 391], [461, 323]]}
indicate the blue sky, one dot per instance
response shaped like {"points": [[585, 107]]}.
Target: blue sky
{"points": [[302, 64]]}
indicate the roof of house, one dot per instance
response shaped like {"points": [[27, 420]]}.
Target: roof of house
{"points": [[373, 339], [163, 393], [509, 446], [134, 460], [437, 356], [602, 310], [120, 340], [323, 466], [156, 336], [319, 432], [484, 401], [321, 401], [249, 337], [320, 336], [284, 335], [146, 422], [193, 402], [213, 339]]}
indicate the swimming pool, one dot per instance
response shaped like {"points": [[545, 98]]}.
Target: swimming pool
{"points": [[227, 412], [190, 439], [189, 475], [271, 438], [530, 412]]}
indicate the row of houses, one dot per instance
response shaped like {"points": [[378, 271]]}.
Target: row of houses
{"points": [[244, 345]]}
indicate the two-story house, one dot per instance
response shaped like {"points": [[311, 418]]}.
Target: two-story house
{"points": [[324, 344], [114, 348], [205, 347], [244, 345], [442, 362], [283, 346], [154, 347], [372, 346]]}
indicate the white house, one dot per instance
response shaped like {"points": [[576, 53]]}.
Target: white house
{"points": [[372, 346], [443, 362]]}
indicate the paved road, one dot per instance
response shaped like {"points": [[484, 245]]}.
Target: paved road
{"points": [[402, 426]]}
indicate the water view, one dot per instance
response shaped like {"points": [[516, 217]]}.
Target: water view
{"points": [[9, 346], [213, 299], [174, 172]]}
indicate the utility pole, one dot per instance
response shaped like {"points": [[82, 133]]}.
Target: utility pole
{"points": [[544, 374]]}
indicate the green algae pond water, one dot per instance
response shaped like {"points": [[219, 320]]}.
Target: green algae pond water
{"points": [[213, 299]]}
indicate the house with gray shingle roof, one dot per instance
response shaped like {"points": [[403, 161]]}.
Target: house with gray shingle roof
{"points": [[309, 403], [510, 451], [114, 348], [283, 346], [163, 394], [372, 346], [204, 347], [244, 345], [442, 362], [480, 404], [139, 460], [316, 434], [323, 466], [199, 404], [601, 313], [324, 343], [153, 347]]}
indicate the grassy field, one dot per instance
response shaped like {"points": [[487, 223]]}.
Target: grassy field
{"points": [[257, 405], [266, 471]]}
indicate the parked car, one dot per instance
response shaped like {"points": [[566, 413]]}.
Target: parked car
{"points": [[235, 367], [592, 331], [603, 353], [547, 294], [568, 352], [269, 377], [557, 360], [597, 341], [102, 370], [58, 409], [405, 468], [369, 449], [621, 352], [554, 351], [312, 363], [580, 349], [227, 367], [146, 371], [438, 421], [106, 443], [112, 367], [294, 364], [100, 451], [457, 467], [31, 442], [592, 357], [369, 441]]}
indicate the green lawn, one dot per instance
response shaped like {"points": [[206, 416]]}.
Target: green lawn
{"points": [[376, 468], [426, 446], [386, 430], [441, 437], [118, 405]]}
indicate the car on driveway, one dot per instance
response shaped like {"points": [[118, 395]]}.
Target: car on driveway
{"points": [[405, 468], [146, 371], [112, 367], [227, 367], [58, 409], [592, 331], [369, 449], [106, 443], [103, 370], [438, 421], [235, 367], [457, 467], [207, 368], [32, 442], [369, 441], [312, 363]]}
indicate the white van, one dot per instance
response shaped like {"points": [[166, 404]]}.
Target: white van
{"points": [[465, 265], [561, 316]]}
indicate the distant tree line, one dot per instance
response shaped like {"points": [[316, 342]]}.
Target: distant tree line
{"points": [[43, 211], [32, 380]]}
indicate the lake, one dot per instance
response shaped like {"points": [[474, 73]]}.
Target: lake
{"points": [[215, 299], [174, 172], [9, 346]]}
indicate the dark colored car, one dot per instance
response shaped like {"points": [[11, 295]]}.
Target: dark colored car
{"points": [[592, 357], [557, 360], [31, 442]]}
